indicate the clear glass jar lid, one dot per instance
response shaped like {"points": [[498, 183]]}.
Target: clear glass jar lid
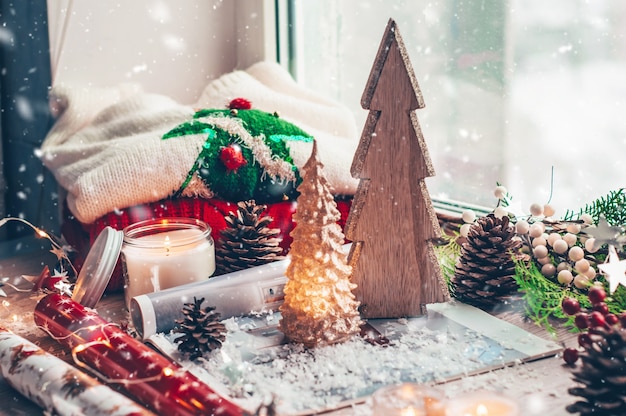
{"points": [[98, 267]]}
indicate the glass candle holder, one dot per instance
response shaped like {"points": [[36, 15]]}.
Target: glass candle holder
{"points": [[408, 399], [164, 253], [483, 403]]}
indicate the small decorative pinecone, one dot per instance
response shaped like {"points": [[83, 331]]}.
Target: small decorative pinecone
{"points": [[483, 275], [602, 374], [247, 241], [201, 328]]}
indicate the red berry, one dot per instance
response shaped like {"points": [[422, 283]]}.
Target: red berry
{"points": [[232, 157], [240, 104], [570, 306], [596, 294], [570, 355], [601, 307], [584, 340], [596, 319], [581, 320], [611, 318]]}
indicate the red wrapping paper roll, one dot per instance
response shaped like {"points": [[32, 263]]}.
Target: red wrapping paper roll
{"points": [[114, 356], [57, 386]]}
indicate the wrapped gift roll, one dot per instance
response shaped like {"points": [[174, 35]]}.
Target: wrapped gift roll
{"points": [[55, 385], [114, 356]]}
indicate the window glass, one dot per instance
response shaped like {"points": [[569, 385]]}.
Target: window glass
{"points": [[526, 93]]}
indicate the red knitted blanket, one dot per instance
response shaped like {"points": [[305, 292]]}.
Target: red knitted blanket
{"points": [[212, 211]]}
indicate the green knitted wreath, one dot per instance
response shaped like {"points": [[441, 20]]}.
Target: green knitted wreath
{"points": [[245, 155]]}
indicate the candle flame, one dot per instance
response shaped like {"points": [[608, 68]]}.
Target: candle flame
{"points": [[167, 244], [482, 410], [409, 411]]}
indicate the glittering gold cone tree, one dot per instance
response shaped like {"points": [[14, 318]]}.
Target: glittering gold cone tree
{"points": [[319, 306]]}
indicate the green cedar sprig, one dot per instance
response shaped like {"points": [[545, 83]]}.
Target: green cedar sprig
{"points": [[543, 297], [612, 207], [448, 253]]}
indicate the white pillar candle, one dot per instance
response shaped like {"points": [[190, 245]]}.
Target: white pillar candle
{"points": [[165, 253]]}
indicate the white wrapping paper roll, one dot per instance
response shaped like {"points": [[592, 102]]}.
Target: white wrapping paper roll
{"points": [[57, 386], [232, 294]]}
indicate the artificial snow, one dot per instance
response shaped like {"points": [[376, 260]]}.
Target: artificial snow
{"points": [[250, 367]]}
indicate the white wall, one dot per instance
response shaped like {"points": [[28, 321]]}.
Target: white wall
{"points": [[170, 47]]}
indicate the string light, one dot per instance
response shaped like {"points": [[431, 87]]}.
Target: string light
{"points": [[80, 348], [4, 282], [57, 248], [5, 305], [13, 317]]}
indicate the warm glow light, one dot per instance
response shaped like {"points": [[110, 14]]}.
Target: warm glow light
{"points": [[483, 404], [409, 412], [79, 348], [481, 410], [42, 233], [167, 243], [168, 372], [407, 391], [14, 318], [197, 404]]}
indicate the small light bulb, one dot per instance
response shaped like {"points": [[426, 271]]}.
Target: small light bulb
{"points": [[481, 410]]}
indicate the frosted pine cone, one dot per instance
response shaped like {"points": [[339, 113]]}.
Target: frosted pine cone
{"points": [[484, 273], [201, 328]]}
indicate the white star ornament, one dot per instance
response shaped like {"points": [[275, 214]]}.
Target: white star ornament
{"points": [[614, 269]]}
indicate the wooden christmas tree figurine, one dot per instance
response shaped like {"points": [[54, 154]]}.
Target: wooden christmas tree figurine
{"points": [[319, 306], [392, 221]]}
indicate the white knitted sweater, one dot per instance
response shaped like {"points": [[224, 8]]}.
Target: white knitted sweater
{"points": [[106, 151]]}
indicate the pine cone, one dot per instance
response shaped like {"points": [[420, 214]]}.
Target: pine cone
{"points": [[247, 241], [602, 375], [201, 328], [484, 273]]}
